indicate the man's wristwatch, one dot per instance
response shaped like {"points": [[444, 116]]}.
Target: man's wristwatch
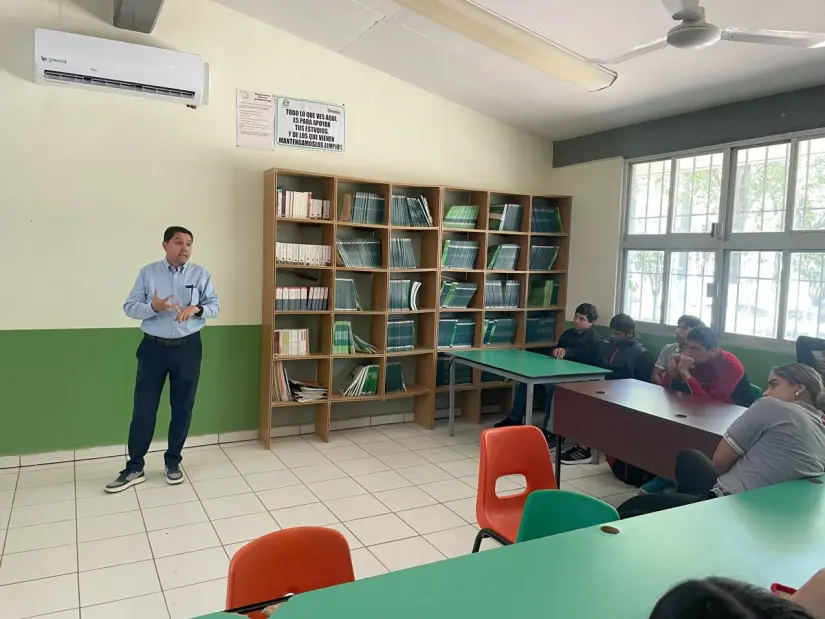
{"points": [[200, 311]]}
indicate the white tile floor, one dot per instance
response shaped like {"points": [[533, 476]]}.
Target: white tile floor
{"points": [[402, 496]]}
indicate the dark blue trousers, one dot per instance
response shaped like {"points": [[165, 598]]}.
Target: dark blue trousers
{"points": [[157, 360], [519, 411]]}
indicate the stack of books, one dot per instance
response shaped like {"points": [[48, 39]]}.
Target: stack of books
{"points": [[542, 257], [503, 257], [346, 295], [463, 373], [401, 254], [546, 219], [540, 329], [506, 217], [400, 335], [394, 380], [301, 205], [345, 342], [292, 342], [456, 332], [410, 212], [363, 380], [499, 331], [359, 253], [543, 293], [459, 254], [455, 294], [312, 298], [502, 293], [299, 253], [461, 217], [363, 208], [404, 294], [286, 390]]}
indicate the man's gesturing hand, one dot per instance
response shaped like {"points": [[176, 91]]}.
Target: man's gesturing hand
{"points": [[186, 313], [162, 305]]}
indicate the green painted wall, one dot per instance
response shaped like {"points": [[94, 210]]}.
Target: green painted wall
{"points": [[69, 389]]}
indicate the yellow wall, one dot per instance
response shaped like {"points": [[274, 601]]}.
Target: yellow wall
{"points": [[88, 180], [595, 232]]}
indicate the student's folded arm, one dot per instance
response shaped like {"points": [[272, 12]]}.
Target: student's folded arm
{"points": [[721, 389], [743, 433], [724, 457], [657, 375]]}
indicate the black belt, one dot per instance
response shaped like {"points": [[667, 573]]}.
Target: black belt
{"points": [[179, 341]]}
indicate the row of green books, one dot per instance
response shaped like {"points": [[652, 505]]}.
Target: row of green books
{"points": [[456, 294], [543, 293], [461, 217], [363, 380], [459, 254], [545, 219], [498, 331], [400, 335], [301, 205], [456, 332], [503, 257], [463, 373], [298, 298], [543, 257], [502, 293], [540, 329], [346, 294], [505, 217], [345, 342], [394, 379], [291, 342], [363, 207], [406, 211], [404, 294], [286, 390], [401, 254], [360, 253]]}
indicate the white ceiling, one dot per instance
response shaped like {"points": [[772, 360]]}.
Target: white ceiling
{"points": [[383, 35]]}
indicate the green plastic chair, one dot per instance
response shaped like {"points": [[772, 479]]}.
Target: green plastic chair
{"points": [[549, 512], [758, 392]]}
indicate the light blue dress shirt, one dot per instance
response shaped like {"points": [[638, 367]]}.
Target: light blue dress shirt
{"points": [[189, 284]]}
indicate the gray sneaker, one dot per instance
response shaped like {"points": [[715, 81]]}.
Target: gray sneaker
{"points": [[174, 475], [126, 479]]}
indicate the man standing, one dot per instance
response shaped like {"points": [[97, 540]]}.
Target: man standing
{"points": [[172, 299]]}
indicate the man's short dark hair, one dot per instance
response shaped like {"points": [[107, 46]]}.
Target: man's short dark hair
{"points": [[623, 324], [171, 231], [703, 336], [689, 322], [588, 310]]}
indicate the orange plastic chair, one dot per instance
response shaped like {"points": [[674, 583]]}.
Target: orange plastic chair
{"points": [[509, 451], [287, 562]]}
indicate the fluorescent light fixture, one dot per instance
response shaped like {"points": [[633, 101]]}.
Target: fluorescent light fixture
{"points": [[500, 34]]}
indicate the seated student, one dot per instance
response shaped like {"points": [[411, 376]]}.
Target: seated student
{"points": [[781, 437], [578, 344], [809, 350], [625, 356], [672, 351]]}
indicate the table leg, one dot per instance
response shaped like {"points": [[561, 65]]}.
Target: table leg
{"points": [[452, 397], [528, 408]]}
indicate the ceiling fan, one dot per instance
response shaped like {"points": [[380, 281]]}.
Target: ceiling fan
{"points": [[693, 32]]}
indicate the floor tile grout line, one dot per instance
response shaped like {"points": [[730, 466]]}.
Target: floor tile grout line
{"points": [[76, 536], [8, 524], [152, 553]]}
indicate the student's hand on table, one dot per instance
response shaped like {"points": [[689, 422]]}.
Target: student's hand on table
{"points": [[559, 353], [811, 595], [673, 367], [162, 305], [186, 313]]}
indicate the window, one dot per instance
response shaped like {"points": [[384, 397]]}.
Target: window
{"points": [[735, 236]]}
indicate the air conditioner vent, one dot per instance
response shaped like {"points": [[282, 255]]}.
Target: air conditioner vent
{"points": [[72, 78]]}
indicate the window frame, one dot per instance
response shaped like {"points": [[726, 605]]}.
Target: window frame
{"points": [[721, 240]]}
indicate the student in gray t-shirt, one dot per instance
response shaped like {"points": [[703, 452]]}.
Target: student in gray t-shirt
{"points": [[781, 437]]}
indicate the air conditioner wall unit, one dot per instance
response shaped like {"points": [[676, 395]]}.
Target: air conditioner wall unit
{"points": [[66, 59]]}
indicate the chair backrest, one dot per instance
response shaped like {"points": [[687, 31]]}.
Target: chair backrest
{"points": [[294, 560], [516, 450], [549, 512], [757, 391]]}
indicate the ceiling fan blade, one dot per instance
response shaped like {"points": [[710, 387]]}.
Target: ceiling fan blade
{"points": [[639, 50], [684, 10], [785, 38]]}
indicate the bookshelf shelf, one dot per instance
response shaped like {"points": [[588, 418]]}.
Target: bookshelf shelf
{"points": [[383, 215]]}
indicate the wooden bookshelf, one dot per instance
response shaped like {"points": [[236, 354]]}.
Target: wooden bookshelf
{"points": [[373, 285]]}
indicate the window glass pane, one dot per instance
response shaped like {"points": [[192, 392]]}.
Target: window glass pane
{"points": [[809, 210], [690, 274], [753, 293], [698, 191], [643, 285], [761, 188], [806, 310], [649, 195]]}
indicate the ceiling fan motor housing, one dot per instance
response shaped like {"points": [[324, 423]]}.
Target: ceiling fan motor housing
{"points": [[693, 35]]}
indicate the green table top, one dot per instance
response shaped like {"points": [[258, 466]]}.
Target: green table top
{"points": [[526, 363], [774, 534]]}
